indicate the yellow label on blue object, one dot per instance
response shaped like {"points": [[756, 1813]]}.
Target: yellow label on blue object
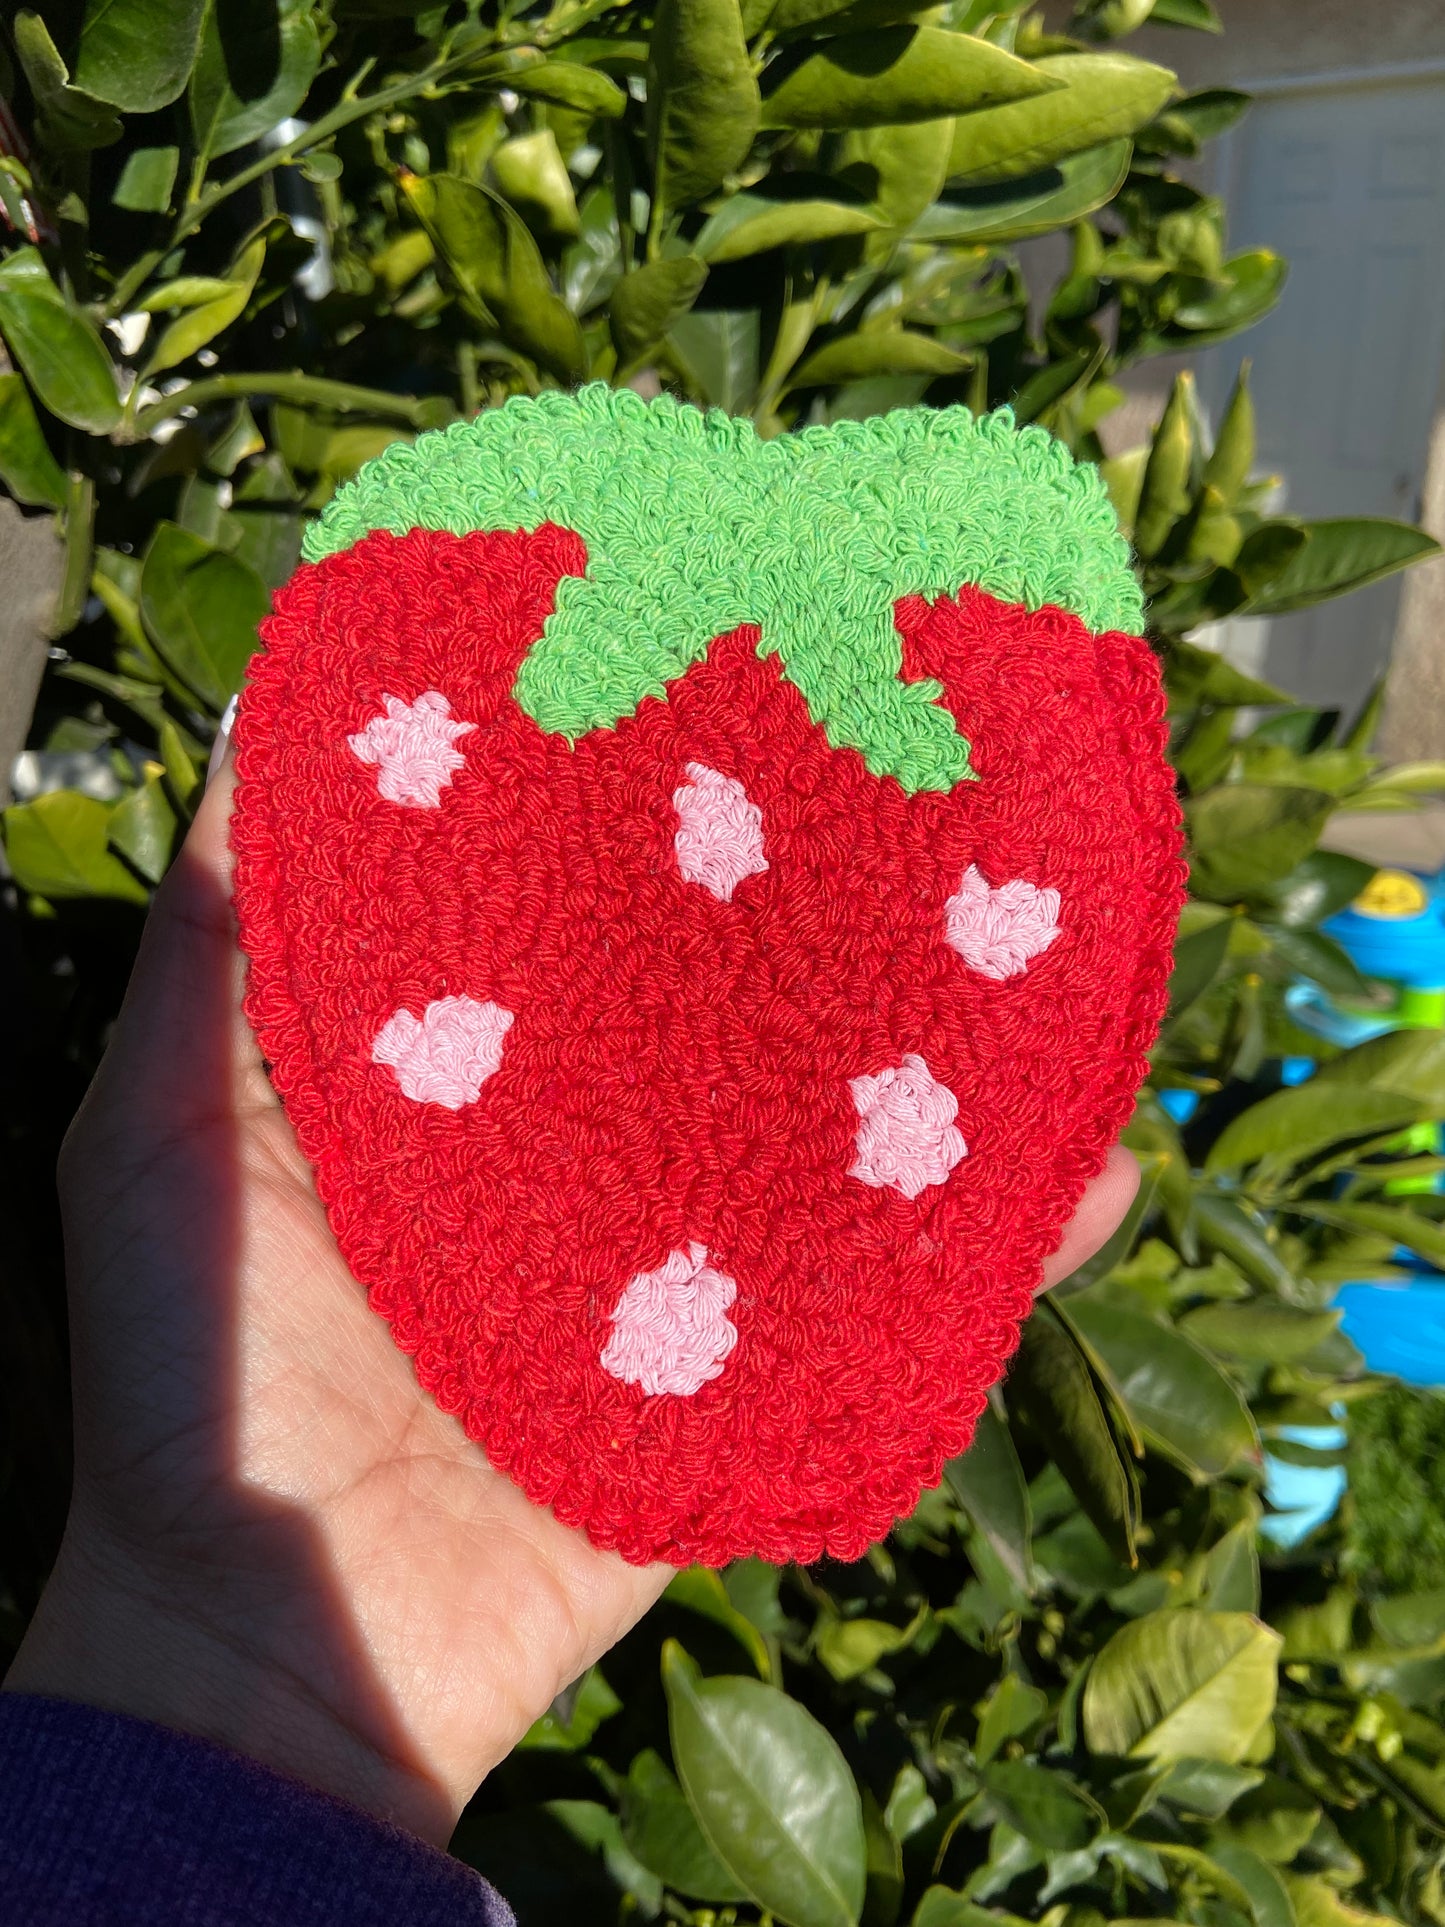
{"points": [[1391, 895]]}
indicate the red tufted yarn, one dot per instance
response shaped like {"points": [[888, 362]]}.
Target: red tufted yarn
{"points": [[678, 1068]]}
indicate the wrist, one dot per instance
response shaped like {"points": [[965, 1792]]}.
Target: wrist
{"points": [[110, 1632]]}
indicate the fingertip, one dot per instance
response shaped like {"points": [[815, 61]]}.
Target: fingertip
{"points": [[1101, 1210]]}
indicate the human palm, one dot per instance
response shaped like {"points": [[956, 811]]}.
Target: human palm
{"points": [[276, 1539]]}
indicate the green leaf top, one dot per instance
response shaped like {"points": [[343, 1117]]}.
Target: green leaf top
{"points": [[695, 527]]}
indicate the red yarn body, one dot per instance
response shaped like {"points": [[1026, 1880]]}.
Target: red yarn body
{"points": [[679, 1066]]}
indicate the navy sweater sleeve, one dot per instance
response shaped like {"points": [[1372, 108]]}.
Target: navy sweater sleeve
{"points": [[111, 1822]]}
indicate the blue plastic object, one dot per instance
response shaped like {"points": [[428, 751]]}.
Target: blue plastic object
{"points": [[1304, 1495], [1180, 1105], [1400, 1328], [1401, 949]]}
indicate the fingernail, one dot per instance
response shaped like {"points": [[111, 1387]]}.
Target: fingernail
{"points": [[223, 736]]}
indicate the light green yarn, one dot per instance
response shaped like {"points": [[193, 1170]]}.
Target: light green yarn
{"points": [[694, 526]]}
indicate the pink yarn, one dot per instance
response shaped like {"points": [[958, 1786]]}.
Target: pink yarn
{"points": [[906, 1133], [670, 1331], [719, 837], [414, 745], [997, 931], [446, 1055]]}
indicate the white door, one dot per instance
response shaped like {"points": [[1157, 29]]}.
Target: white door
{"points": [[1348, 183]]}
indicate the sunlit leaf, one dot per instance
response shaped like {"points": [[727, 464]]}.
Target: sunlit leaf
{"points": [[895, 74], [27, 468], [58, 847], [257, 61], [198, 325], [771, 1792], [201, 607], [1176, 1395], [56, 345], [1339, 556], [1036, 204], [702, 98], [1101, 97], [1182, 1684], [137, 54], [647, 302]]}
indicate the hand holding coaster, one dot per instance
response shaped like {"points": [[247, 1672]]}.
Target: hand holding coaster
{"points": [[708, 902]]}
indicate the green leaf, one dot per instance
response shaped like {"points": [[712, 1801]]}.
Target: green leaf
{"points": [[1101, 97], [988, 1482], [1232, 457], [658, 1826], [1410, 1062], [1263, 1331], [27, 467], [1163, 496], [1316, 888], [56, 345], [1051, 1383], [1197, 960], [58, 847], [573, 1717], [1207, 1787], [1175, 1394], [67, 118], [897, 170], [1394, 1221], [1269, 1902], [247, 80], [1052, 383], [718, 350], [1238, 1233], [1182, 1684], [1272, 1822], [849, 1648], [1231, 1569], [884, 1880], [752, 222], [143, 829], [1196, 675], [146, 180], [200, 607], [647, 302], [946, 1907], [1012, 1711], [702, 99], [496, 267], [1315, 1902], [1209, 113], [195, 326], [1253, 283], [137, 54], [1199, 14], [701, 1590], [895, 74], [1341, 555], [563, 83], [896, 351], [1293, 1125], [530, 171], [1245, 836], [771, 1792], [1041, 1805], [316, 443], [1037, 204]]}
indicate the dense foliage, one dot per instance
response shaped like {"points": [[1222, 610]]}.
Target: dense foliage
{"points": [[265, 237]]}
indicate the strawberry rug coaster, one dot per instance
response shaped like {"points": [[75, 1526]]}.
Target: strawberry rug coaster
{"points": [[708, 902]]}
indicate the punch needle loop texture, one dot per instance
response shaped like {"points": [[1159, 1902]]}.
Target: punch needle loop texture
{"points": [[666, 862]]}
